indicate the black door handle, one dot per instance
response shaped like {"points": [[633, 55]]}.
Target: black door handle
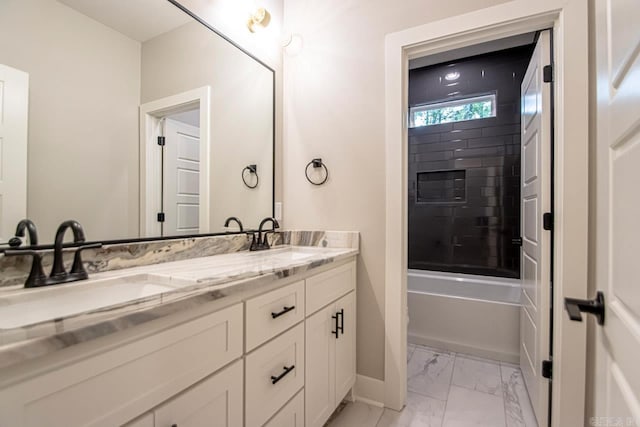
{"points": [[282, 375], [575, 307], [341, 327], [285, 310]]}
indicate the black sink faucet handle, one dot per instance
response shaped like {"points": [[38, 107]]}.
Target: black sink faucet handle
{"points": [[77, 268], [36, 275]]}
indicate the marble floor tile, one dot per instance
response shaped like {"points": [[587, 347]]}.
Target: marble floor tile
{"points": [[356, 414], [429, 373], [517, 405], [435, 350], [420, 411], [467, 408], [477, 374], [410, 349]]}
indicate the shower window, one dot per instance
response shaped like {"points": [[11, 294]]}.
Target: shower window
{"points": [[477, 107]]}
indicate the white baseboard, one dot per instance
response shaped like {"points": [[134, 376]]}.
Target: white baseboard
{"points": [[369, 390], [457, 347]]}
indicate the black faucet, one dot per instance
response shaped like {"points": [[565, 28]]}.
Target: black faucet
{"points": [[260, 242], [236, 220], [58, 273], [27, 224]]}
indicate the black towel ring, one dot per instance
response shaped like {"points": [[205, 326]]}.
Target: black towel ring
{"points": [[317, 163], [253, 169]]}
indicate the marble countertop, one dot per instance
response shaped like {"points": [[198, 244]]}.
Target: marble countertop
{"points": [[223, 279]]}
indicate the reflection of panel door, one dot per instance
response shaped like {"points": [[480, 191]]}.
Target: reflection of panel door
{"points": [[536, 251], [617, 216], [181, 192], [14, 98]]}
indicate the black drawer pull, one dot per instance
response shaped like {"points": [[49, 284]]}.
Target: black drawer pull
{"points": [[285, 310], [341, 314], [282, 375], [337, 331]]}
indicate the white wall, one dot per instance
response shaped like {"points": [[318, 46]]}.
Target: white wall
{"points": [[230, 18], [334, 109], [79, 87], [190, 57]]}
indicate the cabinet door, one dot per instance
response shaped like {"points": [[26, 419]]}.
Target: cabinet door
{"points": [[214, 402], [346, 345], [320, 387], [292, 415]]}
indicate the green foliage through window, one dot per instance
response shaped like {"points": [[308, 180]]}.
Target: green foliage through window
{"points": [[479, 107]]}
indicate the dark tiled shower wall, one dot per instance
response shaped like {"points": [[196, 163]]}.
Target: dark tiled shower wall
{"points": [[467, 209]]}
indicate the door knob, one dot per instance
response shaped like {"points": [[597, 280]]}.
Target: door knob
{"points": [[575, 307]]}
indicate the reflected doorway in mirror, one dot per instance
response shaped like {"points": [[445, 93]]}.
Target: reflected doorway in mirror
{"points": [[175, 208], [14, 100]]}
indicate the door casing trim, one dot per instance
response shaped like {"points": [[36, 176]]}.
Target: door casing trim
{"points": [[151, 115], [569, 20]]}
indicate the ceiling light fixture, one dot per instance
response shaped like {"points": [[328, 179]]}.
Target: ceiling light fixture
{"points": [[258, 20], [454, 75]]}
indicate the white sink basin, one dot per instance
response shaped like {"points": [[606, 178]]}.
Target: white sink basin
{"points": [[58, 301]]}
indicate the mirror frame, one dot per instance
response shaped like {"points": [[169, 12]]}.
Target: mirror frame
{"points": [[197, 18]]}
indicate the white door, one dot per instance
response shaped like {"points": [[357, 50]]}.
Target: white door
{"points": [[346, 345], [320, 384], [181, 189], [617, 216], [14, 116], [536, 253]]}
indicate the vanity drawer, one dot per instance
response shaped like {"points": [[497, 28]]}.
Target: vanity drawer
{"points": [[270, 314], [273, 374], [329, 286], [292, 415], [117, 385]]}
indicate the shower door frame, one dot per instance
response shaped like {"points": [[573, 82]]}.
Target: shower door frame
{"points": [[569, 21]]}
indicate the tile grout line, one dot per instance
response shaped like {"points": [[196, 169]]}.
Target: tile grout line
{"points": [[446, 402], [504, 392]]}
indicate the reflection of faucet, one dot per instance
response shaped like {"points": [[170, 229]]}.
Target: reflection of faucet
{"points": [[236, 220], [262, 243], [20, 229]]}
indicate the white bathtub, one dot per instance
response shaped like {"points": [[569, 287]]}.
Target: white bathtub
{"points": [[470, 314]]}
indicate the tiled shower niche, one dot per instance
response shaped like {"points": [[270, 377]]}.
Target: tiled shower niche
{"points": [[464, 177], [441, 186]]}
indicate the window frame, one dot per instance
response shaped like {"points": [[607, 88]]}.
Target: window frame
{"points": [[492, 96]]}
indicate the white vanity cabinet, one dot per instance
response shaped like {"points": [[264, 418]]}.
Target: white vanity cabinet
{"points": [[111, 387], [216, 401], [330, 343], [281, 358]]}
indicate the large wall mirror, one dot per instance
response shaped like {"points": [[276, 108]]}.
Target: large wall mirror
{"points": [[131, 117]]}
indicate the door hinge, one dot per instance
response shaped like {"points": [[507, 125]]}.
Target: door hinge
{"points": [[547, 73], [160, 216], [547, 369], [161, 141], [516, 241], [547, 221]]}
